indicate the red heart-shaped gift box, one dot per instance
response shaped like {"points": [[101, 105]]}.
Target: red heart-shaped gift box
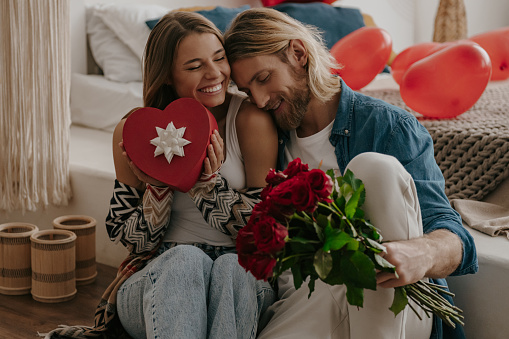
{"points": [[140, 132]]}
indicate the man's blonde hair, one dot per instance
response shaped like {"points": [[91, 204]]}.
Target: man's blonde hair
{"points": [[264, 31]]}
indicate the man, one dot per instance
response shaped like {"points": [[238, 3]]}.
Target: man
{"points": [[285, 69]]}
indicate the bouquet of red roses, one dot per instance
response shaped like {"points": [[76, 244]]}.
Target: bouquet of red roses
{"points": [[311, 222]]}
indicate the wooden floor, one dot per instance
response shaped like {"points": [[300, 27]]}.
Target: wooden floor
{"points": [[21, 317]]}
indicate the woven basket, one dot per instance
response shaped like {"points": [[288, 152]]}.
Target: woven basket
{"points": [[84, 228], [15, 265], [53, 265]]}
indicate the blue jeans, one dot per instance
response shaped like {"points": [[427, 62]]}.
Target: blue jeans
{"points": [[188, 293]]}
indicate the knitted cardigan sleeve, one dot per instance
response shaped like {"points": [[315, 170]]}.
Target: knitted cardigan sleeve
{"points": [[139, 219], [222, 207]]}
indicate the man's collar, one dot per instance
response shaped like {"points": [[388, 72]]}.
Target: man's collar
{"points": [[343, 122]]}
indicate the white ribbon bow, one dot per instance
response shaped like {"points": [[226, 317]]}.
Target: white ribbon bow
{"points": [[170, 142]]}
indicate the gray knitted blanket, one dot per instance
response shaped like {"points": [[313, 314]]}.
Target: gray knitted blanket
{"points": [[472, 149]]}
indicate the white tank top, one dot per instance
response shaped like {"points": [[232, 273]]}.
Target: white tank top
{"points": [[312, 150], [186, 221]]}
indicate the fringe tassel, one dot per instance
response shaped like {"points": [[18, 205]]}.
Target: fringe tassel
{"points": [[35, 75]]}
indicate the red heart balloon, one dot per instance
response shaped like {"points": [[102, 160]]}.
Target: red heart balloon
{"points": [[448, 82], [410, 55], [496, 43], [363, 54], [182, 172]]}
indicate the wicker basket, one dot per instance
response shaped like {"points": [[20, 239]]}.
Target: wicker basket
{"points": [[84, 228], [15, 265], [450, 21], [53, 265]]}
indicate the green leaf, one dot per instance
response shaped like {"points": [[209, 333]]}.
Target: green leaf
{"points": [[358, 270], [322, 221], [376, 245], [297, 276], [311, 286], [346, 191], [350, 178], [353, 245], [383, 263], [400, 300], [356, 185], [335, 239], [353, 203], [322, 263], [334, 277], [330, 173], [354, 295]]}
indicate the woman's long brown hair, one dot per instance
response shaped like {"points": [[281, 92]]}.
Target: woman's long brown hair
{"points": [[161, 50]]}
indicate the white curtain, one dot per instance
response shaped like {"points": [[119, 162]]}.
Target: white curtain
{"points": [[34, 104]]}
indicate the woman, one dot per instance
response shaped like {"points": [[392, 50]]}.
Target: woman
{"points": [[194, 288]]}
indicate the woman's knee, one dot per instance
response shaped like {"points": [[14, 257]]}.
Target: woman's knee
{"points": [[182, 258], [228, 265]]}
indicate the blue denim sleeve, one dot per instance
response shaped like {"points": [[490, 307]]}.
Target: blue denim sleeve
{"points": [[412, 144]]}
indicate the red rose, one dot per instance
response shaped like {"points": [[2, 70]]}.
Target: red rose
{"points": [[269, 207], [295, 167], [320, 183], [274, 177], [261, 265], [269, 235], [266, 191], [245, 244], [303, 197], [282, 193]]}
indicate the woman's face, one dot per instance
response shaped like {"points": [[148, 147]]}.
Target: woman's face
{"points": [[201, 70]]}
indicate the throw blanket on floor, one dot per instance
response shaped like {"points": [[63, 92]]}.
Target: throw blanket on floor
{"points": [[472, 149]]}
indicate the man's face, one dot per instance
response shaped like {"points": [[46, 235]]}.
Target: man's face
{"points": [[275, 86]]}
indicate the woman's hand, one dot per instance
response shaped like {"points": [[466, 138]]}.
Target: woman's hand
{"points": [[142, 176], [215, 157]]}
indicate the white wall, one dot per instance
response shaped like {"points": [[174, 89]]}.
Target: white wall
{"points": [[413, 21], [482, 16]]}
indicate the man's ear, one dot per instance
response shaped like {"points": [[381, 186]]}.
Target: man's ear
{"points": [[298, 52]]}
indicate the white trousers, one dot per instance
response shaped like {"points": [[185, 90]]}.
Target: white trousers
{"points": [[393, 207]]}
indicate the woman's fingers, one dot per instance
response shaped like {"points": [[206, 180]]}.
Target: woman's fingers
{"points": [[215, 153]]}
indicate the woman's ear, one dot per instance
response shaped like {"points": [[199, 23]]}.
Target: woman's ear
{"points": [[298, 52]]}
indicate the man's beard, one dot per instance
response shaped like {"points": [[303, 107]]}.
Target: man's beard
{"points": [[297, 104]]}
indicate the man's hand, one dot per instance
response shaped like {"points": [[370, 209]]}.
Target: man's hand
{"points": [[434, 255]]}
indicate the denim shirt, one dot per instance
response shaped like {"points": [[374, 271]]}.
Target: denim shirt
{"points": [[365, 124]]}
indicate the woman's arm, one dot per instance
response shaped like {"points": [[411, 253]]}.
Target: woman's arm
{"points": [[139, 209], [257, 137], [223, 207]]}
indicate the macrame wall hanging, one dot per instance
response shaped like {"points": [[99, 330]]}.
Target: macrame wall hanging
{"points": [[450, 21], [35, 75]]}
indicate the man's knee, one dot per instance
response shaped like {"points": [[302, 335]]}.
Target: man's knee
{"points": [[379, 170]]}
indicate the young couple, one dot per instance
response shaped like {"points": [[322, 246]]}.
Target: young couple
{"points": [[193, 286]]}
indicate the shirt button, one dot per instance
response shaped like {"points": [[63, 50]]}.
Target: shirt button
{"points": [[347, 131]]}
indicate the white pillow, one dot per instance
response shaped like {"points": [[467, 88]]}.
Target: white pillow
{"points": [[128, 22], [116, 60], [99, 103]]}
